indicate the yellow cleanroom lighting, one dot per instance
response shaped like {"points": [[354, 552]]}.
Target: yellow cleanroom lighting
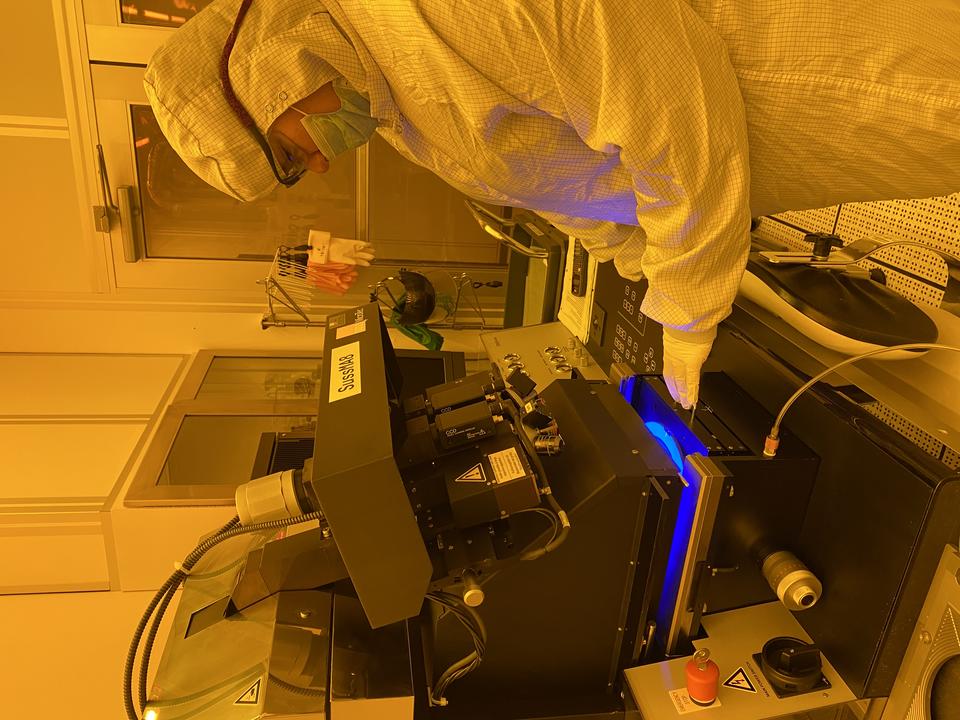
{"points": [[150, 715]]}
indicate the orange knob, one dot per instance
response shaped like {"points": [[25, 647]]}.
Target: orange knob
{"points": [[703, 678]]}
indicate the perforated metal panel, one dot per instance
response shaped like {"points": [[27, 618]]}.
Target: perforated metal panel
{"points": [[820, 220], [934, 222], [791, 235], [911, 272], [922, 439], [951, 458], [912, 288]]}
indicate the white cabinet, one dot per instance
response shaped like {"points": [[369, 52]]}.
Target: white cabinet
{"points": [[69, 425]]}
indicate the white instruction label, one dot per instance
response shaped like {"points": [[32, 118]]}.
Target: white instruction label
{"points": [[506, 465], [353, 329], [344, 371], [683, 704]]}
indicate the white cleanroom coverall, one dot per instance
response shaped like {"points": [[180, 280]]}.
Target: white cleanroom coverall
{"points": [[651, 129]]}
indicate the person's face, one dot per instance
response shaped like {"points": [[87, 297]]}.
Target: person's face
{"points": [[291, 145]]}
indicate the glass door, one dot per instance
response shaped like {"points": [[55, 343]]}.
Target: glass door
{"points": [[128, 31], [179, 234]]}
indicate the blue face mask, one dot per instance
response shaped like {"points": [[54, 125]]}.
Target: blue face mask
{"points": [[349, 127]]}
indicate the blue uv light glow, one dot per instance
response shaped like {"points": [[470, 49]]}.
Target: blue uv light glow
{"points": [[681, 531], [678, 555], [666, 442], [678, 440]]}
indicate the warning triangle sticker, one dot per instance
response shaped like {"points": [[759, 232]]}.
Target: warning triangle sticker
{"points": [[474, 474], [739, 681], [251, 696]]}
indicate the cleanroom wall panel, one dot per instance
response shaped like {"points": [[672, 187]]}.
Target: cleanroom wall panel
{"points": [[61, 653], [48, 461], [84, 385], [29, 62], [41, 244], [915, 274], [48, 560]]}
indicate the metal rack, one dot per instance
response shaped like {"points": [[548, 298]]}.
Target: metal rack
{"points": [[287, 286], [289, 293]]}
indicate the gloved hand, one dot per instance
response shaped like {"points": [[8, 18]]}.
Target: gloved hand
{"points": [[326, 249], [684, 353]]}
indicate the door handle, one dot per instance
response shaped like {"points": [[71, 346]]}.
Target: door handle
{"points": [[511, 244], [130, 224]]}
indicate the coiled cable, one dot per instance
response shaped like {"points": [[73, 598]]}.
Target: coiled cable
{"points": [[161, 600]]}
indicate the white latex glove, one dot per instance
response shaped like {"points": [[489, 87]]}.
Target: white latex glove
{"points": [[326, 249], [684, 353]]}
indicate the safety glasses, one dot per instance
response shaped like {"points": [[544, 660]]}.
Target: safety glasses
{"points": [[285, 161]]}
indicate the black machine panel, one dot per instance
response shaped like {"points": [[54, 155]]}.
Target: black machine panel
{"points": [[359, 420], [880, 512], [619, 332], [561, 628], [568, 603], [872, 525]]}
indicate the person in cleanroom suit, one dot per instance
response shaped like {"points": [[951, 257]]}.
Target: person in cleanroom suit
{"points": [[651, 129]]}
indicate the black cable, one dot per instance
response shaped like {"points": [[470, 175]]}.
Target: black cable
{"points": [[469, 618], [545, 489], [138, 633], [468, 663], [550, 515], [169, 588], [297, 689], [148, 645], [564, 526], [471, 621], [132, 652], [161, 608]]}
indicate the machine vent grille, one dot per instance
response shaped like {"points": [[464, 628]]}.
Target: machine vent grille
{"points": [[291, 453]]}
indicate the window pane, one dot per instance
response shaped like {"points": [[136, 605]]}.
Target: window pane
{"points": [[222, 449], [262, 378], [416, 217], [183, 217], [161, 13]]}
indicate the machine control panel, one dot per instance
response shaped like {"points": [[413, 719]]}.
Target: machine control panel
{"points": [[619, 332], [544, 352], [745, 692]]}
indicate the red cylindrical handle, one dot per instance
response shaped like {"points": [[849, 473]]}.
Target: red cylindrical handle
{"points": [[703, 681]]}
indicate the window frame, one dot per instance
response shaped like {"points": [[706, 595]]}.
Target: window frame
{"points": [[144, 490]]}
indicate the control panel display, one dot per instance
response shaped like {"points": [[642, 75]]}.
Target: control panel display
{"points": [[619, 332]]}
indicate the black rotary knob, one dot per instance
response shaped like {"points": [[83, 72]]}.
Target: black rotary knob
{"points": [[791, 665]]}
